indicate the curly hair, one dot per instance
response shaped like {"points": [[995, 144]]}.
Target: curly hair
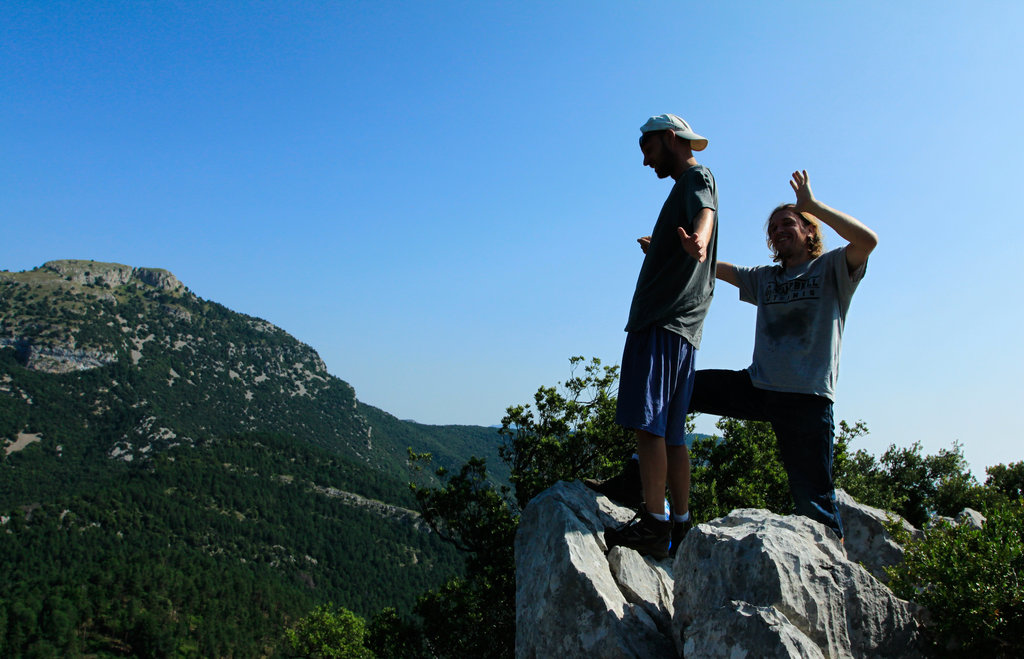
{"points": [[815, 242]]}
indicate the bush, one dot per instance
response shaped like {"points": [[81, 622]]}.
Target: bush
{"points": [[330, 631], [909, 483], [970, 581]]}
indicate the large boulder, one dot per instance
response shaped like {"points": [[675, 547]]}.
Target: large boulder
{"points": [[748, 584], [972, 518], [868, 541], [739, 629], [568, 602], [797, 568]]}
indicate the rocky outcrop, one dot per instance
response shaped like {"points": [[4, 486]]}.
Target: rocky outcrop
{"points": [[386, 510], [967, 516], [96, 273], [568, 602], [91, 272], [798, 569], [738, 629], [867, 540], [748, 584], [56, 358], [159, 278]]}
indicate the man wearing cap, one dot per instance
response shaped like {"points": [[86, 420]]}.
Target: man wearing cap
{"points": [[801, 312], [672, 296]]}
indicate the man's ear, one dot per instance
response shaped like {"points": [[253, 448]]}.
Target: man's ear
{"points": [[680, 144]]}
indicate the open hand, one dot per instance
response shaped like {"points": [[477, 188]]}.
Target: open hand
{"points": [[801, 184], [693, 245]]}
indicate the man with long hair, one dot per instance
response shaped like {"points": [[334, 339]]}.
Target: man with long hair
{"points": [[801, 312]]}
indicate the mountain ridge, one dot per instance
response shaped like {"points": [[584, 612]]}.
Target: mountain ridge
{"points": [[271, 365], [175, 437]]}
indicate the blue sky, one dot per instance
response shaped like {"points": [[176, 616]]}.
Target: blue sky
{"points": [[442, 198]]}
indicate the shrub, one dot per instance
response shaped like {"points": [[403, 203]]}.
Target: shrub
{"points": [[330, 631], [970, 580], [741, 469]]}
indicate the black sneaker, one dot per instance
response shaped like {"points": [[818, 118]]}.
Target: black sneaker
{"points": [[644, 533], [679, 531], [625, 488]]}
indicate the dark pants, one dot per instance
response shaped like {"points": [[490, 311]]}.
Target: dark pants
{"points": [[803, 425]]}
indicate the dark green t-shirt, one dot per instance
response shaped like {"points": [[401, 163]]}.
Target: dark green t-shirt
{"points": [[674, 290]]}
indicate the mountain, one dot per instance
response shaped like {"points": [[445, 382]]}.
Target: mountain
{"points": [[179, 478]]}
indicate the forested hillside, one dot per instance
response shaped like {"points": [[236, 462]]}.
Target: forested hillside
{"points": [[182, 479]]}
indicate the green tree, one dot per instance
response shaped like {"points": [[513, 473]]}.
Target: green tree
{"points": [[331, 632], [472, 514], [858, 472], [914, 485], [150, 636], [472, 615], [1008, 480], [569, 433], [392, 635]]}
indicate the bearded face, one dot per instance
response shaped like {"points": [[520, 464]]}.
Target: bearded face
{"points": [[657, 154]]}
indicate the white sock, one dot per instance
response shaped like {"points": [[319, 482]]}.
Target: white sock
{"points": [[663, 517], [685, 517]]}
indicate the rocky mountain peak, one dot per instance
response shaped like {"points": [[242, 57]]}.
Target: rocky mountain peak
{"points": [[141, 353], [74, 315], [113, 274]]}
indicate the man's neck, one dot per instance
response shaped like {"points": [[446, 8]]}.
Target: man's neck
{"points": [[682, 165], [796, 259]]}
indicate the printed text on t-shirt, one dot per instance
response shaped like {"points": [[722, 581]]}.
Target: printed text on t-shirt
{"points": [[796, 289]]}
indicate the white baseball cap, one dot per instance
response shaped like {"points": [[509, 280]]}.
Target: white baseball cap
{"points": [[678, 126]]}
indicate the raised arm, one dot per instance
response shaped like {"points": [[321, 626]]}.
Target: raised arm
{"points": [[861, 239]]}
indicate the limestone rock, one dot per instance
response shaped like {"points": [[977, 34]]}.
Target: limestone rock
{"points": [[798, 568], [50, 358], [113, 274], [867, 540], [91, 272], [742, 630], [751, 584], [567, 602], [644, 582], [967, 516], [970, 517], [159, 278]]}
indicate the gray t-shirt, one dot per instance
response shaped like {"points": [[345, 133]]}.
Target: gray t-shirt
{"points": [[801, 312], [674, 290]]}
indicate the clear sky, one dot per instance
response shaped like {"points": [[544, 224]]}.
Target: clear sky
{"points": [[442, 198]]}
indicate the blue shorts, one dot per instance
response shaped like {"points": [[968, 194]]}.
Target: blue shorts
{"points": [[655, 384]]}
